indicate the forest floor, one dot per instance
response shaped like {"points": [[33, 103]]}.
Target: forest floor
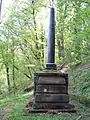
{"points": [[9, 104], [4, 114], [13, 107]]}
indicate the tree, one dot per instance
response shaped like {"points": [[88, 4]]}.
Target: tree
{"points": [[72, 24], [0, 7], [21, 34]]}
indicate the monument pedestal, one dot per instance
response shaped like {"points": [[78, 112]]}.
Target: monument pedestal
{"points": [[51, 92]]}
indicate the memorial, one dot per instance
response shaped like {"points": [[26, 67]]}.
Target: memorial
{"points": [[50, 86]]}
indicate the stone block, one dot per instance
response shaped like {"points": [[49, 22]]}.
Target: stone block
{"points": [[52, 106], [58, 89], [51, 80], [58, 98]]}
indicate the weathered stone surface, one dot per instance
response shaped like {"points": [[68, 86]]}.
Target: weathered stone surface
{"points": [[51, 92], [70, 110], [60, 98], [51, 73], [51, 89], [52, 106], [51, 80]]}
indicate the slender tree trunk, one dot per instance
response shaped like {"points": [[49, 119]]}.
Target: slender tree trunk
{"points": [[13, 76], [35, 29], [13, 69], [42, 47], [60, 39], [8, 80], [42, 53], [0, 7], [60, 43]]}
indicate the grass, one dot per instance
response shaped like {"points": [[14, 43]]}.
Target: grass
{"points": [[17, 104], [19, 114], [78, 80], [79, 85], [15, 98]]}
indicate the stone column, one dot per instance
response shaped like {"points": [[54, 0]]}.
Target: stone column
{"points": [[51, 41]]}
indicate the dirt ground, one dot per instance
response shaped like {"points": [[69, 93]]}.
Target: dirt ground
{"points": [[4, 113]]}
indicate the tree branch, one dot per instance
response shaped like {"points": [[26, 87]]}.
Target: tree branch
{"points": [[23, 72]]}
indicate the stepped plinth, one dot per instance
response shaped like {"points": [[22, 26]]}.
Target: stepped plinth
{"points": [[51, 92], [51, 87]]}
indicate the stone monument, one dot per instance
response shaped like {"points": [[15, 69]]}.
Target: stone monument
{"points": [[50, 86]]}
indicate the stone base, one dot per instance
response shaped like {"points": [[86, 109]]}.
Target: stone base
{"points": [[51, 93], [56, 111], [51, 66], [53, 107], [51, 98]]}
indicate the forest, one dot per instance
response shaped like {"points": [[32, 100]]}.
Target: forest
{"points": [[23, 50]]}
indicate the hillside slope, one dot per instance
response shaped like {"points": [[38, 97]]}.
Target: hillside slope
{"points": [[79, 83]]}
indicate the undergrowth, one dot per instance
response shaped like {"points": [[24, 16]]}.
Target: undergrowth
{"points": [[79, 91], [82, 113], [79, 85], [15, 98]]}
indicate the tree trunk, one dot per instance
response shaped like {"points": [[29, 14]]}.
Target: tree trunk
{"points": [[36, 37], [13, 69], [8, 80], [61, 46], [42, 47], [0, 7]]}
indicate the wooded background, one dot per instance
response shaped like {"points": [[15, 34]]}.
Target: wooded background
{"points": [[23, 39]]}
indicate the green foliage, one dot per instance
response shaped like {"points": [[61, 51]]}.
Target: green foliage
{"points": [[72, 31], [22, 43], [15, 98], [18, 112], [17, 105], [79, 84]]}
